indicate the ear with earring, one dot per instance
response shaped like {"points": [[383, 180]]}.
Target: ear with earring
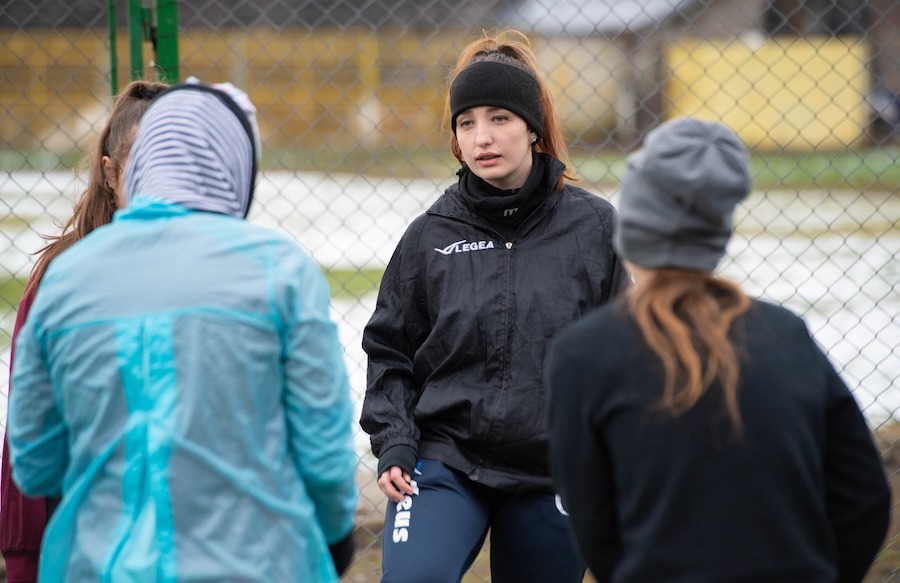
{"points": [[533, 138]]}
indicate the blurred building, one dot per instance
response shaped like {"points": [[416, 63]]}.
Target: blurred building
{"points": [[640, 45]]}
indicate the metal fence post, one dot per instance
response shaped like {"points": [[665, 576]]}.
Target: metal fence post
{"points": [[163, 35], [136, 37], [113, 54], [166, 44]]}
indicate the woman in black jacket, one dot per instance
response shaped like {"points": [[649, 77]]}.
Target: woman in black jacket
{"points": [[698, 434], [509, 255]]}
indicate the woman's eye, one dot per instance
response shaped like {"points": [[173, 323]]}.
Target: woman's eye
{"points": [[465, 123], [501, 118]]}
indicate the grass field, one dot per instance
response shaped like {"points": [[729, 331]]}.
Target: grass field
{"points": [[864, 168]]}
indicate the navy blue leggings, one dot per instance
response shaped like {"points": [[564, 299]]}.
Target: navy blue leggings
{"points": [[435, 535]]}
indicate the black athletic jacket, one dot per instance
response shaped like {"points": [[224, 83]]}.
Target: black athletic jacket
{"points": [[457, 340]]}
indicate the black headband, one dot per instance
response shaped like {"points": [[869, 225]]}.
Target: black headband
{"points": [[498, 85]]}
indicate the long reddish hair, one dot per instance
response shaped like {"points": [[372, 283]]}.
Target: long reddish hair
{"points": [[685, 317], [512, 47], [97, 204]]}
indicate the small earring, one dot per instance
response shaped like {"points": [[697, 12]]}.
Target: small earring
{"points": [[533, 139]]}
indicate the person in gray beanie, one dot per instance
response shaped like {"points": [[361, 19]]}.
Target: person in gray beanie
{"points": [[179, 380], [698, 434]]}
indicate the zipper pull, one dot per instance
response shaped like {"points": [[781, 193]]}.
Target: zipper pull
{"points": [[509, 244]]}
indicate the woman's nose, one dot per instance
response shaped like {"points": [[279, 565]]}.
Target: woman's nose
{"points": [[483, 135]]}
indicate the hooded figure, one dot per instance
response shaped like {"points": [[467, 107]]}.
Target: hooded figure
{"points": [[180, 383]]}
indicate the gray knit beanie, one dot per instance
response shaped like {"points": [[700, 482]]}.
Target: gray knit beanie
{"points": [[679, 193]]}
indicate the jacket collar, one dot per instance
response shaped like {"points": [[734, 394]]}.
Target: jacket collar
{"points": [[451, 204], [144, 208]]}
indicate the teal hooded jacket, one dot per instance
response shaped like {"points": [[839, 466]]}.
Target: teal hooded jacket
{"points": [[180, 383]]}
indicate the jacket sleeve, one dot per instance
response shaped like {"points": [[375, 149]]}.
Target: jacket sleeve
{"points": [[22, 519], [856, 489], [619, 278], [390, 340], [317, 397], [579, 461], [37, 435]]}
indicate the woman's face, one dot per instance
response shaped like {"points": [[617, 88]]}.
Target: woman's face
{"points": [[496, 145]]}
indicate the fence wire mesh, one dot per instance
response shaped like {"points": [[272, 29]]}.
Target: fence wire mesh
{"points": [[349, 97]]}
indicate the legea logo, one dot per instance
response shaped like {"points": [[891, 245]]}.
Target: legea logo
{"points": [[463, 247]]}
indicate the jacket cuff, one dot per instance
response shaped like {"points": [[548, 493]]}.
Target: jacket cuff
{"points": [[402, 456], [21, 567], [342, 553]]}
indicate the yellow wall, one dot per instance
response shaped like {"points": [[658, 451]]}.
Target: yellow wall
{"points": [[795, 94], [330, 88], [313, 89], [49, 80]]}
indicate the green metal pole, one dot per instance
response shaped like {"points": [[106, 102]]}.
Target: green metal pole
{"points": [[113, 55], [167, 40], [136, 38]]}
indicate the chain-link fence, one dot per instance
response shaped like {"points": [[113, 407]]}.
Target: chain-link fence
{"points": [[349, 97]]}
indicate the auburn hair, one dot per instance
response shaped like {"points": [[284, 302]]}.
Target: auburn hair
{"points": [[97, 203], [512, 47], [685, 317]]}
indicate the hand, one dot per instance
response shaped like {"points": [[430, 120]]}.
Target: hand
{"points": [[396, 484]]}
